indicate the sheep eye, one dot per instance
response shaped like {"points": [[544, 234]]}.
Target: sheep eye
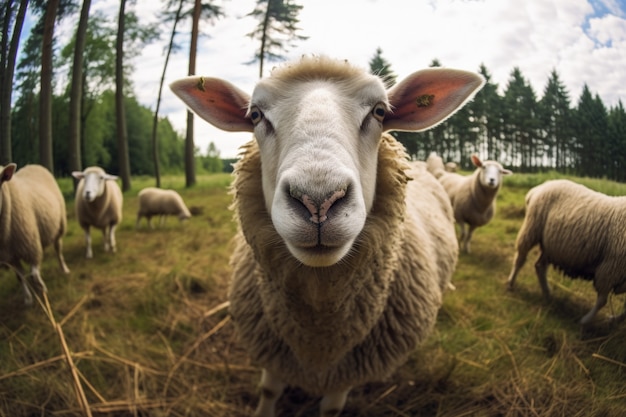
{"points": [[379, 112], [255, 115]]}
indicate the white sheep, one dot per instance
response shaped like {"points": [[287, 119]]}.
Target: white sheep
{"points": [[341, 259], [158, 202], [32, 216], [98, 203], [473, 196], [580, 232]]}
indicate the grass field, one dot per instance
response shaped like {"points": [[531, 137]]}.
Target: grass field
{"points": [[149, 333]]}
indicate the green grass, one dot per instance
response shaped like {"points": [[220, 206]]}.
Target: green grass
{"points": [[144, 344]]}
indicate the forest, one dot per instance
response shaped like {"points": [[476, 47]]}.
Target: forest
{"points": [[73, 105]]}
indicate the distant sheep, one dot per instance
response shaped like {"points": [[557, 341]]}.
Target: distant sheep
{"points": [[579, 231], [451, 167], [343, 251], [158, 202], [32, 216], [98, 203], [473, 196]]}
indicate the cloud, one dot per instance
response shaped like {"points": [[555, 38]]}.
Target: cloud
{"points": [[584, 41]]}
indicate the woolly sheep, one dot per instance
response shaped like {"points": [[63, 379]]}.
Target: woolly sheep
{"points": [[98, 203], [32, 216], [341, 260], [473, 196], [451, 167], [158, 202], [579, 231]]}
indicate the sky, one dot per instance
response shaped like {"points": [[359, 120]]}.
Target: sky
{"points": [[583, 40]]}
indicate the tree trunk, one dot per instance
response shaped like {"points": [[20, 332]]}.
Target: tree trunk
{"points": [[120, 114], [76, 92], [155, 143], [45, 95], [6, 83], [190, 168]]}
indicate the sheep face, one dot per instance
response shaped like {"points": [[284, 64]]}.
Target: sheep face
{"points": [[94, 182], [318, 124], [319, 151], [491, 172]]}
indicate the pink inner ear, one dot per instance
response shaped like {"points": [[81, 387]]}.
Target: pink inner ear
{"points": [[476, 161]]}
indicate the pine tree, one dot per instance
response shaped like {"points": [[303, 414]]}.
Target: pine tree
{"points": [[276, 30]]}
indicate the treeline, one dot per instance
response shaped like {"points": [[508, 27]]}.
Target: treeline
{"points": [[528, 134], [112, 129]]}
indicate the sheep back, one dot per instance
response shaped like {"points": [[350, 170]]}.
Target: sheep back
{"points": [[580, 231], [155, 201], [32, 215], [363, 315], [105, 210]]}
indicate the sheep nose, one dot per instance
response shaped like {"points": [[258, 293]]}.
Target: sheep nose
{"points": [[318, 209], [88, 195]]}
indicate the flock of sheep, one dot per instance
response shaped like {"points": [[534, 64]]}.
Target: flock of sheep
{"points": [[33, 215], [344, 248]]}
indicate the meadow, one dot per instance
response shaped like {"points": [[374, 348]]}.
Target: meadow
{"points": [[146, 331]]}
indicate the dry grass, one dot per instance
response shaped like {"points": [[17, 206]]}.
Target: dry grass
{"points": [[146, 332]]}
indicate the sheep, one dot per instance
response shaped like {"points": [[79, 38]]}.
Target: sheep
{"points": [[451, 167], [580, 232], [343, 251], [32, 216], [98, 203], [473, 196], [158, 202]]}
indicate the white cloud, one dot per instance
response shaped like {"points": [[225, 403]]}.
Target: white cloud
{"points": [[584, 41]]}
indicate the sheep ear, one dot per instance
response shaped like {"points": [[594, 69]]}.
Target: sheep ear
{"points": [[7, 172], [78, 174], [428, 97], [110, 177], [476, 161], [505, 171], [216, 101]]}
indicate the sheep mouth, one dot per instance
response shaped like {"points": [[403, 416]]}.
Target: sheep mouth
{"points": [[319, 255]]}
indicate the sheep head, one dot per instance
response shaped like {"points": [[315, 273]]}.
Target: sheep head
{"points": [[491, 172], [318, 123], [95, 181]]}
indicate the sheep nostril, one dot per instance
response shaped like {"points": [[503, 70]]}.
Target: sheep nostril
{"points": [[319, 211]]}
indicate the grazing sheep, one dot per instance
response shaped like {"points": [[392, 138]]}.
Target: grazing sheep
{"points": [[158, 202], [579, 231], [473, 196], [32, 216], [451, 167], [343, 251], [99, 204]]}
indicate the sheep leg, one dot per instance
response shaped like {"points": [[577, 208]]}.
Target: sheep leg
{"points": [[600, 302], [541, 268], [463, 237], [58, 247], [518, 262], [112, 241], [89, 253], [332, 403], [271, 389], [468, 238], [21, 276]]}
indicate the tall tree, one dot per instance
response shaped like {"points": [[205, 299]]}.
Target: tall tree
{"points": [[76, 90], [45, 94], [381, 67], [555, 118], [521, 125], [488, 108], [122, 132], [8, 58], [276, 30], [199, 11], [155, 121]]}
